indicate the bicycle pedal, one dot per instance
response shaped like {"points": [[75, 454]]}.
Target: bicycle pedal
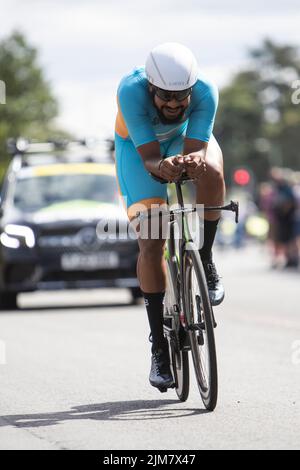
{"points": [[162, 390]]}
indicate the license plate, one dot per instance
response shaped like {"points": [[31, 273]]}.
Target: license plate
{"points": [[89, 262]]}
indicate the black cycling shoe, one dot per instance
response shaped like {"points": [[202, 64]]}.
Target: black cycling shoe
{"points": [[215, 288], [160, 373]]}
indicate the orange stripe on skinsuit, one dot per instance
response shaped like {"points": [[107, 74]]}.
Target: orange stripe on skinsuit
{"points": [[120, 126], [144, 205]]}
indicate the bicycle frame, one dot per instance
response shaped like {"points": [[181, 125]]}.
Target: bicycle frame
{"points": [[185, 237]]}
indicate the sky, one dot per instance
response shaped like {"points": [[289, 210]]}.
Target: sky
{"points": [[86, 46]]}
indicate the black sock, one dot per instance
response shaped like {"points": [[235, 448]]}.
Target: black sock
{"points": [[155, 309], [210, 229]]}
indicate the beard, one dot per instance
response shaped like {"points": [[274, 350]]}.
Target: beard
{"points": [[163, 119], [174, 120]]}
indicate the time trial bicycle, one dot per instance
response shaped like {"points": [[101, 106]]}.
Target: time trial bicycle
{"points": [[189, 320]]}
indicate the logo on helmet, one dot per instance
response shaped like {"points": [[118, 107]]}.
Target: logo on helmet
{"points": [[177, 83]]}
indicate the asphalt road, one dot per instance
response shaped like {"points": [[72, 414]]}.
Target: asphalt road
{"points": [[74, 372]]}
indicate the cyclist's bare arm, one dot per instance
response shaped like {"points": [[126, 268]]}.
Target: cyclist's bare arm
{"points": [[194, 153], [169, 168], [151, 156], [194, 148]]}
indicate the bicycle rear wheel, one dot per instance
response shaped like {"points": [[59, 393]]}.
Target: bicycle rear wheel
{"points": [[199, 316], [180, 366], [179, 359]]}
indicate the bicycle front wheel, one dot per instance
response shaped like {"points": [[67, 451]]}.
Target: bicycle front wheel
{"points": [[199, 317], [179, 359]]}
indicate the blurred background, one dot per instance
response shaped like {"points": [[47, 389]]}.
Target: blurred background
{"points": [[60, 65]]}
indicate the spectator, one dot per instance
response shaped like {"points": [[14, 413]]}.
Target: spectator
{"points": [[296, 188], [284, 207], [266, 205]]}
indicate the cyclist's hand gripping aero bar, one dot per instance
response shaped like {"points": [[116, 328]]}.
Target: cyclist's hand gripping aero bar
{"points": [[183, 177]]}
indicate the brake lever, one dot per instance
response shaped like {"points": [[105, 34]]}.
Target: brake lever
{"points": [[235, 207]]}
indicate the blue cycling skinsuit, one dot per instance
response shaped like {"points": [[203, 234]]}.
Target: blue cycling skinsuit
{"points": [[138, 123]]}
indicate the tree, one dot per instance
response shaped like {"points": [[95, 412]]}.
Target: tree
{"points": [[240, 123], [279, 67], [258, 124], [30, 106]]}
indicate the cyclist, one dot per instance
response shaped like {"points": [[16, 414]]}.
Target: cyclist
{"points": [[166, 112]]}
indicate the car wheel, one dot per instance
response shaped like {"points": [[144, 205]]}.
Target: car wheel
{"points": [[8, 301], [136, 295]]}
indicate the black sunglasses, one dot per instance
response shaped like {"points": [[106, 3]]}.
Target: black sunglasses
{"points": [[166, 95]]}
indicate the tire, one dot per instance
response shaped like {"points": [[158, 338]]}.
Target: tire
{"points": [[180, 368], [179, 359], [8, 301], [198, 310]]}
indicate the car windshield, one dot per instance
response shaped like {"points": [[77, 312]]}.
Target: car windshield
{"points": [[38, 192]]}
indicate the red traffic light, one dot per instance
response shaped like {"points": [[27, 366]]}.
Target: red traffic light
{"points": [[242, 177]]}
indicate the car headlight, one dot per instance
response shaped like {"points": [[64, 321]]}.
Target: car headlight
{"points": [[15, 235]]}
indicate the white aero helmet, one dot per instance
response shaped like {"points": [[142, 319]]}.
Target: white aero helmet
{"points": [[172, 66]]}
